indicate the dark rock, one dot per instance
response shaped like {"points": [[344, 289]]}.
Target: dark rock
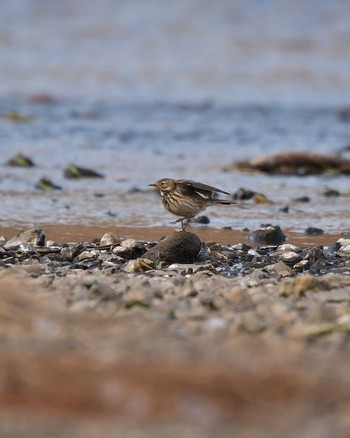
{"points": [[284, 209], [20, 160], [313, 231], [201, 220], [246, 194], [75, 172], [33, 237], [179, 247], [270, 235], [331, 192], [302, 199], [319, 267], [46, 185]]}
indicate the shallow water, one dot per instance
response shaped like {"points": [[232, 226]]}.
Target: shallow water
{"points": [[134, 145], [172, 90]]}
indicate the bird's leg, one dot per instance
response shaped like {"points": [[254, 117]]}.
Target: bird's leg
{"points": [[184, 222]]}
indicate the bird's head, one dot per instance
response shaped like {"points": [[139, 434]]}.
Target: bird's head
{"points": [[164, 184]]}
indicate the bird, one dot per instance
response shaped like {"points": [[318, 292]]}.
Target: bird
{"points": [[187, 198]]}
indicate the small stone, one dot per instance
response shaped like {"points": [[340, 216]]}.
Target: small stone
{"points": [[139, 265], [3, 240], [33, 236], [84, 255], [201, 220], [290, 257], [109, 239], [130, 249], [74, 172], [313, 254], [303, 199], [269, 235], [20, 160], [280, 268], [52, 244], [288, 247], [313, 231], [46, 185], [301, 266], [71, 251], [329, 192]]}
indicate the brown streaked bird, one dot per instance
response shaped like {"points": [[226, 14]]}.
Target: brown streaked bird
{"points": [[187, 198]]}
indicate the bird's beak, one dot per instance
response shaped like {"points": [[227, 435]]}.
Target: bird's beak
{"points": [[151, 185]]}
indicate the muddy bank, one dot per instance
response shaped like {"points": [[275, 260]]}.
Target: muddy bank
{"points": [[90, 346], [80, 232]]}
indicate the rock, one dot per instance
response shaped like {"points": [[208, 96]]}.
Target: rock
{"points": [[46, 185], [71, 251], [75, 172], [139, 265], [33, 236], [284, 209], [268, 235], [109, 239], [313, 231], [289, 257], [3, 240], [302, 199], [87, 254], [179, 247], [288, 247], [130, 249], [201, 220], [280, 268], [329, 192], [343, 247], [20, 160], [313, 254], [246, 194], [301, 266], [52, 244]]}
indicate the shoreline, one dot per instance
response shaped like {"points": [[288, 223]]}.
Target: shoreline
{"points": [[63, 233]]}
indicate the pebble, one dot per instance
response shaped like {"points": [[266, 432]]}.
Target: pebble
{"points": [[33, 236]]}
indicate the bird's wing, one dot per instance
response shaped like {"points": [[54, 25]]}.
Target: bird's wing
{"points": [[199, 186]]}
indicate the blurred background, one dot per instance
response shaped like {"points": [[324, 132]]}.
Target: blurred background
{"points": [[143, 90]]}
